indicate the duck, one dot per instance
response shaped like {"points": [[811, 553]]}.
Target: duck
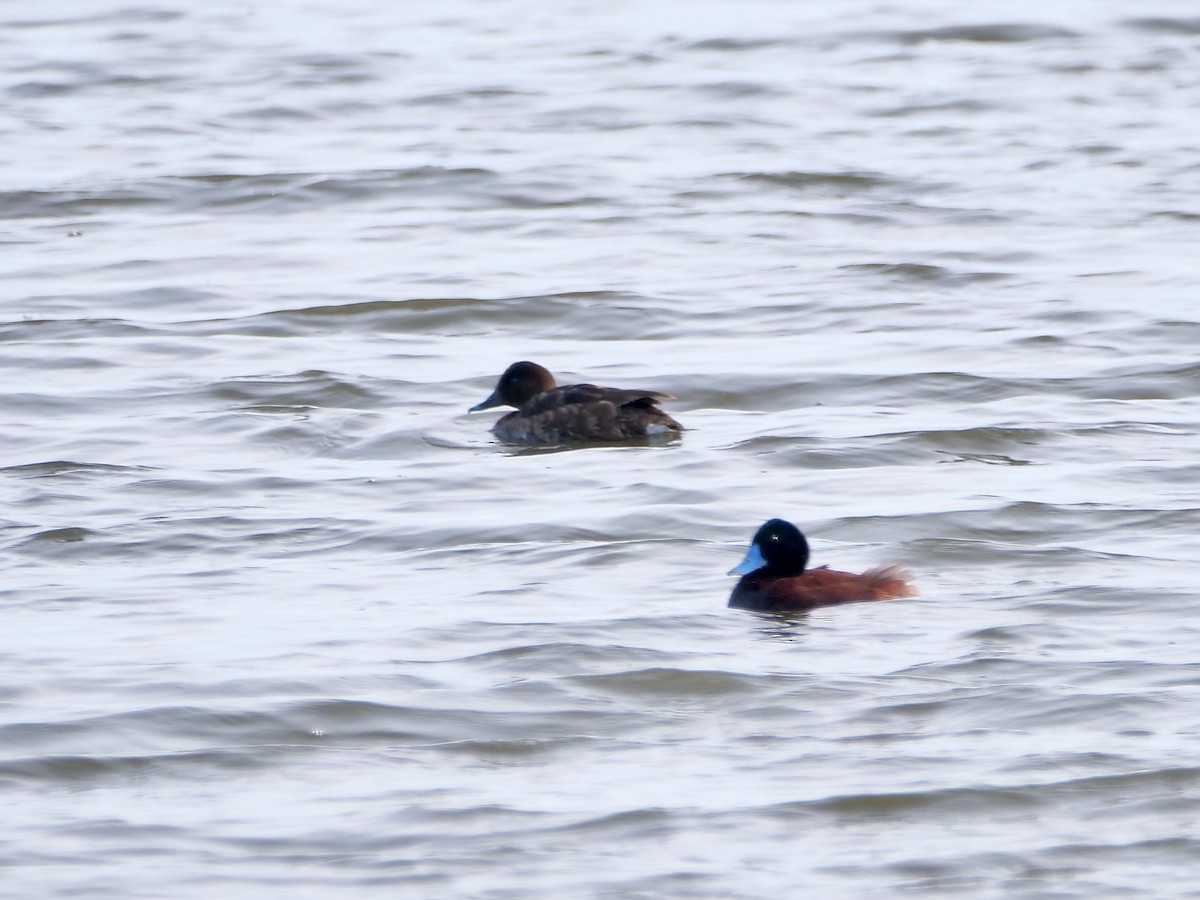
{"points": [[775, 577], [549, 414]]}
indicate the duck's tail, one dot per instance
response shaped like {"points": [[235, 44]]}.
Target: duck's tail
{"points": [[886, 582]]}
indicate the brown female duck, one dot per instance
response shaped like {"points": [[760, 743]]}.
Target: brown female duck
{"points": [[548, 414]]}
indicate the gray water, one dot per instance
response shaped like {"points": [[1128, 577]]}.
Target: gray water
{"points": [[281, 619]]}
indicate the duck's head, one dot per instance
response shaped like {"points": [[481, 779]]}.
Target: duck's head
{"points": [[520, 383], [778, 548]]}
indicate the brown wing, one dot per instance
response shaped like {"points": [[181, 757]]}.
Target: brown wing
{"points": [[586, 394], [830, 586], [818, 587]]}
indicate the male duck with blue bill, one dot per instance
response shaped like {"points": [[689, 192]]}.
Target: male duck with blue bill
{"points": [[775, 577]]}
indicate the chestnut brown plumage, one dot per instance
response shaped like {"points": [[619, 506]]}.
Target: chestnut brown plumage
{"points": [[775, 577]]}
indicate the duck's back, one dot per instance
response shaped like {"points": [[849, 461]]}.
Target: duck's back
{"points": [[586, 412], [820, 587]]}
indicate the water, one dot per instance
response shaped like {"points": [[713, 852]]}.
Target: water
{"points": [[281, 619]]}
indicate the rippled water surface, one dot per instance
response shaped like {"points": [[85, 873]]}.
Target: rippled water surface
{"points": [[281, 619]]}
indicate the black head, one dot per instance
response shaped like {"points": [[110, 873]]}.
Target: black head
{"points": [[520, 383], [778, 548]]}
